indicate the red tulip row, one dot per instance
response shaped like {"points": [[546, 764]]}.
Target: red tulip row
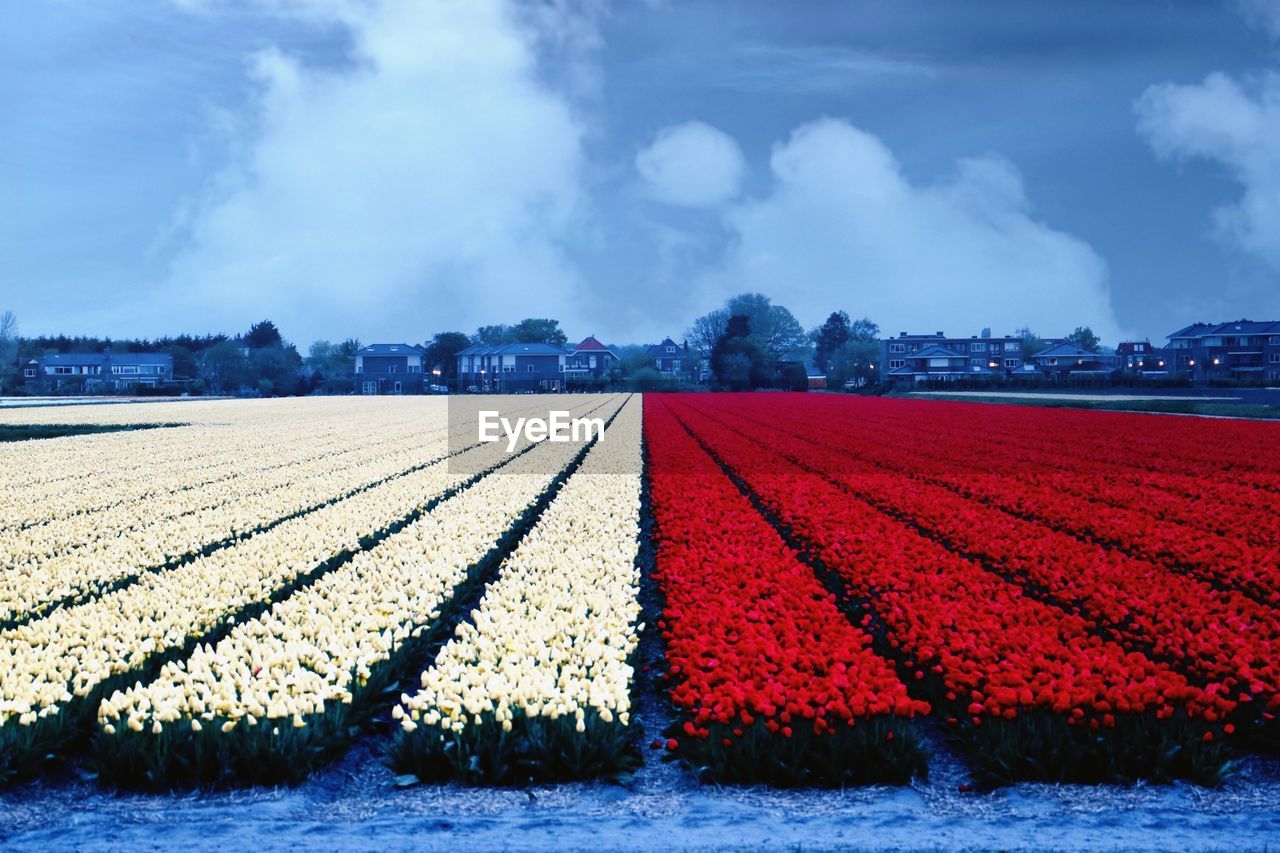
{"points": [[770, 679], [1240, 561], [1023, 677]]}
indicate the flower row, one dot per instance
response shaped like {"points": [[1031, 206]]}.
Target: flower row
{"points": [[772, 681], [135, 467], [538, 684]]}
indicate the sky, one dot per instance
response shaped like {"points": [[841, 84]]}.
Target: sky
{"points": [[388, 169]]}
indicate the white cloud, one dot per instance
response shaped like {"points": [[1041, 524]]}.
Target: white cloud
{"points": [[692, 165], [843, 228], [1235, 125], [427, 184]]}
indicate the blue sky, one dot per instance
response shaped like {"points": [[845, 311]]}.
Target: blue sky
{"points": [[391, 169]]}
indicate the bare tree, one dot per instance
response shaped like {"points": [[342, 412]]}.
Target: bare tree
{"points": [[706, 330], [8, 349]]}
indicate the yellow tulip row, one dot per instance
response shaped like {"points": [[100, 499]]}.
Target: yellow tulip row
{"points": [[322, 644], [554, 635], [65, 478], [254, 495]]}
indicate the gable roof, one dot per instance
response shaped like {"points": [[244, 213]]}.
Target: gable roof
{"points": [[391, 349], [660, 349], [934, 351], [1066, 350], [592, 345]]}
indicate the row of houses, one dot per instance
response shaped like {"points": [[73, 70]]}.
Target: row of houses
{"points": [[96, 372], [1242, 350], [512, 368]]}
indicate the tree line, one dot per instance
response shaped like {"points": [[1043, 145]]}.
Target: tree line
{"points": [[751, 342]]}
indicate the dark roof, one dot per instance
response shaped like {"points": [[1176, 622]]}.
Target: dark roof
{"points": [[390, 349], [104, 357], [1067, 350], [934, 351], [515, 349], [1237, 327], [660, 350]]}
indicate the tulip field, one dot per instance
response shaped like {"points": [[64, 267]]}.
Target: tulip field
{"points": [[806, 590]]}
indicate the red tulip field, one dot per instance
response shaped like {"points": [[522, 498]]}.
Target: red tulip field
{"points": [[1069, 597]]}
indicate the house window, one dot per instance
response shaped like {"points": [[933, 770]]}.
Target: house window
{"points": [[675, 365], [897, 347], [895, 363], [1274, 341], [508, 368], [977, 347], [529, 368], [1011, 362], [393, 368], [1275, 358], [1273, 374], [975, 362], [591, 361], [62, 371], [29, 372], [671, 349], [397, 388]]}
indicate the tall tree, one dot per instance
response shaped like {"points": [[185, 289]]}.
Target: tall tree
{"points": [[738, 360], [773, 326], [829, 337], [263, 334], [539, 330], [443, 351], [1031, 342], [493, 336], [224, 368], [864, 331], [706, 330], [8, 351], [1083, 337]]}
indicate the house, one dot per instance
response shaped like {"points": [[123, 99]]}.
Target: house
{"points": [[507, 368], [815, 379], [1068, 359], [919, 358], [1242, 350], [1141, 358], [389, 369], [672, 360], [592, 361], [96, 371]]}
